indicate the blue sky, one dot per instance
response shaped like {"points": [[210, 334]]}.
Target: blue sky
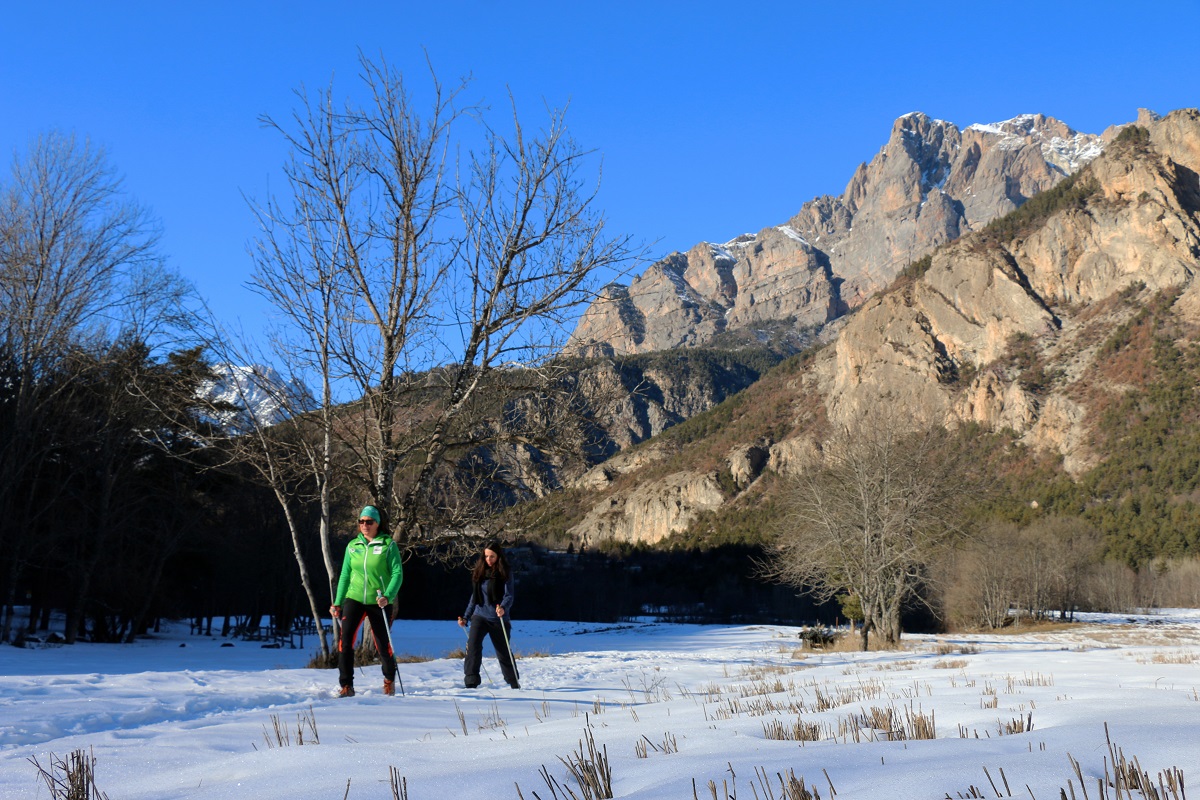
{"points": [[712, 119]]}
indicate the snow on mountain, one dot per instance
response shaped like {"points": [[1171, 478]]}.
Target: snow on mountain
{"points": [[792, 233], [1061, 146], [257, 392]]}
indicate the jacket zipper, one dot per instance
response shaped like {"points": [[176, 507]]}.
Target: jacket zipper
{"points": [[366, 576]]}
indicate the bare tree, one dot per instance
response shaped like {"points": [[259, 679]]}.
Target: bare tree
{"points": [[413, 291], [1057, 555], [871, 517], [986, 577]]}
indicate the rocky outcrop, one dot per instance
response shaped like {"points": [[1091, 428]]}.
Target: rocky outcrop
{"points": [[1138, 228], [600, 476], [930, 184], [746, 463], [790, 456], [651, 512]]}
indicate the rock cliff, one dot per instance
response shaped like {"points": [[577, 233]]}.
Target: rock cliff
{"points": [[1128, 223], [929, 184]]}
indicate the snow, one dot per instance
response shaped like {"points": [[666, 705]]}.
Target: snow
{"points": [[683, 290], [180, 716], [257, 390], [1006, 127], [792, 233], [1067, 155], [1071, 154], [720, 254], [921, 114], [741, 240]]}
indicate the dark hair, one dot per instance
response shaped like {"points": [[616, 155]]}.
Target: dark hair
{"points": [[481, 566]]}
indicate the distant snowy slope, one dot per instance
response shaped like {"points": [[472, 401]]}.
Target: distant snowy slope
{"points": [[253, 393]]}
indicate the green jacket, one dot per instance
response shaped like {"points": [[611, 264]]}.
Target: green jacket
{"points": [[367, 567]]}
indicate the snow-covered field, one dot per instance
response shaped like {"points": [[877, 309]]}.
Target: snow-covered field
{"points": [[672, 706]]}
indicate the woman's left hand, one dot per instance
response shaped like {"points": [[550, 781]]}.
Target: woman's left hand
{"points": [[499, 611]]}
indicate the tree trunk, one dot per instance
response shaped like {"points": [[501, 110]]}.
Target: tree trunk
{"points": [[305, 581]]}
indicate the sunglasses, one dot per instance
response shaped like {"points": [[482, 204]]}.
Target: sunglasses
{"points": [[367, 522]]}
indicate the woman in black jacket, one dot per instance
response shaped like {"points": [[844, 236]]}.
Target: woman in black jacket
{"points": [[487, 612]]}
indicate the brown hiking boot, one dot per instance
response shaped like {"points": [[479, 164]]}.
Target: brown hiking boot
{"points": [[347, 691], [389, 687]]}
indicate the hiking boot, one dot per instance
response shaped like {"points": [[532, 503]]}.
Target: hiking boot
{"points": [[346, 691], [389, 687], [514, 685]]}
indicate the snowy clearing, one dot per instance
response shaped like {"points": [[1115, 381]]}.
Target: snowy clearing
{"points": [[671, 706]]}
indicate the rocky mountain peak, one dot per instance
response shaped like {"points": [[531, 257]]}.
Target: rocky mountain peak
{"points": [[929, 184]]}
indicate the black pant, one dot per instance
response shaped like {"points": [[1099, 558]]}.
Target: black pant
{"points": [[353, 613], [479, 626]]}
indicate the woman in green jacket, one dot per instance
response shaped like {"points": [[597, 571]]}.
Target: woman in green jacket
{"points": [[371, 577]]}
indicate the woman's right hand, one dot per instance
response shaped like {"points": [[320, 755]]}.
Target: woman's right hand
{"points": [[462, 623], [336, 611]]}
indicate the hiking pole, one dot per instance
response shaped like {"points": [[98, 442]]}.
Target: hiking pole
{"points": [[387, 620], [512, 657]]}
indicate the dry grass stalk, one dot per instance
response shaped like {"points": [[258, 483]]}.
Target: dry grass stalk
{"points": [[590, 769], [1129, 777], [398, 783], [492, 720], [71, 778], [973, 733], [1029, 679], [1017, 725], [790, 787], [799, 731], [1126, 777], [890, 723], [652, 687], [306, 731], [669, 745], [955, 663], [974, 791], [1181, 657]]}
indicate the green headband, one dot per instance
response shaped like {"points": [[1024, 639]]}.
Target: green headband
{"points": [[370, 511]]}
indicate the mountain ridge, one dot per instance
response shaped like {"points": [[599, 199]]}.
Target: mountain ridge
{"points": [[930, 183]]}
